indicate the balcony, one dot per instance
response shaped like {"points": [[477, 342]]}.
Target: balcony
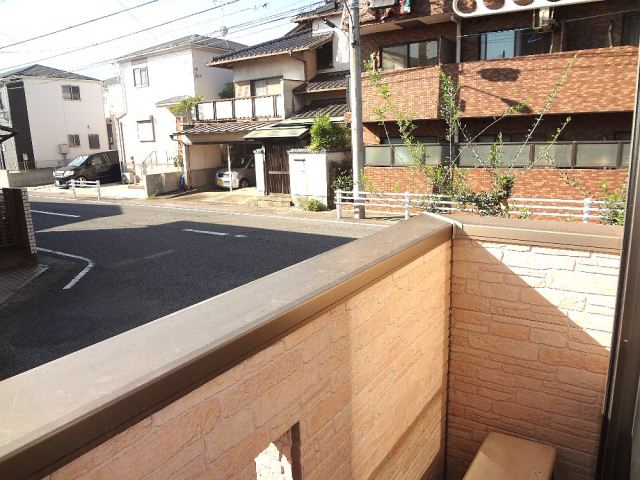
{"points": [[249, 108], [587, 154], [601, 80], [390, 357]]}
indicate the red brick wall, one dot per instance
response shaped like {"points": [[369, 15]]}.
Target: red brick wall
{"points": [[534, 183], [601, 80]]}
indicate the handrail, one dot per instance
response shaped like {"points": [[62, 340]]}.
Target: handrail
{"points": [[257, 111]]}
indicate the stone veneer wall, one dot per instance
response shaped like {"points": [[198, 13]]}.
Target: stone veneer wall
{"points": [[530, 337], [366, 380]]}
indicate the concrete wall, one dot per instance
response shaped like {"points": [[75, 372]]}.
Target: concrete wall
{"points": [[28, 178], [530, 338], [209, 81], [365, 381], [203, 161], [340, 42], [159, 183], [52, 119], [260, 180], [310, 174]]}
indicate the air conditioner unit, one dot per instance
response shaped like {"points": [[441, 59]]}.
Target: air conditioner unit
{"points": [[382, 3], [543, 20], [63, 148]]}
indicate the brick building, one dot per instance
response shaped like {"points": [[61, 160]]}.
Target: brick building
{"points": [[500, 60]]}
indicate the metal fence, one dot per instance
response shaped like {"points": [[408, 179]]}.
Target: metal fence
{"points": [[584, 210], [74, 184]]}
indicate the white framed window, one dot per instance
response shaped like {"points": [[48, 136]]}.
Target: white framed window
{"points": [[141, 77], [94, 141], [73, 140], [145, 131], [71, 92]]}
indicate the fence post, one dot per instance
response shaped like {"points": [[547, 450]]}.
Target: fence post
{"points": [[407, 204], [98, 184], [338, 203], [586, 210], [73, 187]]}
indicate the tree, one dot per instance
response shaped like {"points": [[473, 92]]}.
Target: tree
{"points": [[327, 135], [186, 107]]}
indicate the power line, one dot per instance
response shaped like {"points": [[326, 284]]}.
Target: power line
{"points": [[71, 27], [229, 2]]}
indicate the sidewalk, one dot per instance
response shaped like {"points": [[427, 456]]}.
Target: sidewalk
{"points": [[14, 279]]}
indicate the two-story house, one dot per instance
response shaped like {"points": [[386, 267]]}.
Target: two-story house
{"points": [[501, 59], [57, 115], [154, 80], [280, 86]]}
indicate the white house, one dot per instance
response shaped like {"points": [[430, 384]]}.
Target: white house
{"points": [[58, 115], [157, 78]]}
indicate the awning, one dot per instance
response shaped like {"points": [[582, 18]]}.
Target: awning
{"points": [[279, 131]]}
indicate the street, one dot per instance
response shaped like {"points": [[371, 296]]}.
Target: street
{"points": [[113, 267]]}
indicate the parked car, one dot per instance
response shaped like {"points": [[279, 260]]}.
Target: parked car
{"points": [[243, 174], [103, 166]]}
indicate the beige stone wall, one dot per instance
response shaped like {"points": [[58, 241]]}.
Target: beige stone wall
{"points": [[530, 337], [366, 379]]}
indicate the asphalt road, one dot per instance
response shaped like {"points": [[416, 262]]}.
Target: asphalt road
{"points": [[147, 262]]}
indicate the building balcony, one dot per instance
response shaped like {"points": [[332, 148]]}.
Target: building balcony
{"points": [[267, 107], [598, 80]]}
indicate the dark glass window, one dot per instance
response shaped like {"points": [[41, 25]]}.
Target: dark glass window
{"points": [[513, 43], [631, 29], [94, 141], [73, 140], [417, 54], [324, 56], [71, 92]]}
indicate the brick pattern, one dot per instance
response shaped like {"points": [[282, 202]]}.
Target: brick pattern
{"points": [[355, 377], [29, 222], [602, 80], [530, 335]]}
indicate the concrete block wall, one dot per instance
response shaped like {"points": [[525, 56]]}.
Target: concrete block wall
{"points": [[29, 223], [530, 338], [365, 380]]}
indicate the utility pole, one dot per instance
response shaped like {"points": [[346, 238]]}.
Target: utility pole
{"points": [[355, 101]]}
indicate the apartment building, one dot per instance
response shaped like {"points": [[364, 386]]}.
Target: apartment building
{"points": [[279, 87], [500, 60]]}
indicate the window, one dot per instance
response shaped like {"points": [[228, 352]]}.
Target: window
{"points": [[73, 140], [324, 56], [267, 86], [71, 92], [94, 141], [145, 131], [141, 77], [631, 29], [418, 54], [98, 161], [513, 43]]}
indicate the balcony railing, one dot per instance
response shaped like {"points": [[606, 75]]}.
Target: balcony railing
{"points": [[583, 154], [239, 108]]}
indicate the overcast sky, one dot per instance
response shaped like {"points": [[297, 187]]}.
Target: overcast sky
{"points": [[23, 19]]}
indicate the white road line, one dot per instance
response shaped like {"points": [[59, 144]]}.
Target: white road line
{"points": [[208, 232], [85, 270], [55, 214], [220, 212]]}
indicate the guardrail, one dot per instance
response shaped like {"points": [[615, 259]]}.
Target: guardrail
{"points": [[239, 108], [586, 209], [73, 184]]}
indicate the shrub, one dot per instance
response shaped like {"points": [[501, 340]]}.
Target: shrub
{"points": [[314, 205], [326, 135], [614, 206], [343, 181]]}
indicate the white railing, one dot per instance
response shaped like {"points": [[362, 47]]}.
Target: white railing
{"points": [[239, 108], [73, 184], [585, 210]]}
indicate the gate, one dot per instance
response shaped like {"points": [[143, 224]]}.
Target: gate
{"points": [[276, 165]]}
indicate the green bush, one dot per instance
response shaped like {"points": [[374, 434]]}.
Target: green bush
{"points": [[327, 135], [614, 206], [343, 181], [314, 205]]}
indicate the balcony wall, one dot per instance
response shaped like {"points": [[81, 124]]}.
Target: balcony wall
{"points": [[601, 80], [353, 363]]}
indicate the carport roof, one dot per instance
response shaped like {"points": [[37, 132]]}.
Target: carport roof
{"points": [[224, 127]]}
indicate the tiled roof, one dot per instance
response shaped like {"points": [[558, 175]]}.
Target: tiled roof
{"points": [[44, 71], [188, 41], [332, 6], [292, 42], [226, 127], [324, 81], [333, 108], [171, 101]]}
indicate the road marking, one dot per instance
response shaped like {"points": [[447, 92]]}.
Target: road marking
{"points": [[56, 214], [219, 212], [208, 232], [85, 270]]}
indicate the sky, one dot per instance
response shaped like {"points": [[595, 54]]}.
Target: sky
{"points": [[25, 19]]}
